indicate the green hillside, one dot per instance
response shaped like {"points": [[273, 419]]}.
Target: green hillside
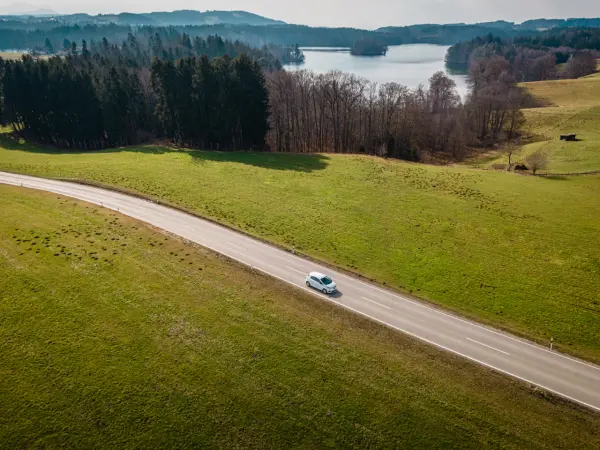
{"points": [[513, 251], [573, 106], [115, 335]]}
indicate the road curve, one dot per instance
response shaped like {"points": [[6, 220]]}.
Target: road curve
{"points": [[573, 379]]}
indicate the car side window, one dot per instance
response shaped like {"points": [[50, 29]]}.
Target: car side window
{"points": [[315, 279]]}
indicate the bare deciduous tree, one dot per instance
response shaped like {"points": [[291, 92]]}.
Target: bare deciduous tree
{"points": [[511, 148], [342, 113], [537, 160], [580, 65], [495, 100]]}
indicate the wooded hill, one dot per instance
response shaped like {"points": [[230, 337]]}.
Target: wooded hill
{"points": [[29, 32], [535, 58]]}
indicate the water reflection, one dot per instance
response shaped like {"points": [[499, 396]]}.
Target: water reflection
{"points": [[409, 65]]}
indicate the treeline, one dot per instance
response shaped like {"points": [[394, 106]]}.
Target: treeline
{"points": [[14, 38], [90, 102], [535, 58], [30, 33], [168, 44], [218, 104], [32, 36], [145, 43], [257, 36], [339, 112], [74, 102], [368, 47]]}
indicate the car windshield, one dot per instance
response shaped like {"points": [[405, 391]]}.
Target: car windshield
{"points": [[326, 281]]}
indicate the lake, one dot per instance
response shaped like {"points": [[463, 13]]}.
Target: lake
{"points": [[409, 65]]}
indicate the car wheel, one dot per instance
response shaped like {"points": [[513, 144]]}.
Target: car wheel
{"points": [[308, 284], [325, 291]]}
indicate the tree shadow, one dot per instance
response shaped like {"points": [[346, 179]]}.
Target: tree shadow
{"points": [[304, 162], [299, 162], [555, 177], [11, 141]]}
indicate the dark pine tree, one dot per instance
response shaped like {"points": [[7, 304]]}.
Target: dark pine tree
{"points": [[49, 47], [252, 99]]}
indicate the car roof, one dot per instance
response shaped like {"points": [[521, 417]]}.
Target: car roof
{"points": [[316, 274]]}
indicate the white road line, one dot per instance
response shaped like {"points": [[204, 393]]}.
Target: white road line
{"points": [[488, 346], [238, 246], [373, 301], [296, 270], [481, 327], [282, 258], [435, 344]]}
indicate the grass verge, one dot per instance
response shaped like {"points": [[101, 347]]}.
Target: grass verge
{"points": [[116, 335], [515, 252]]}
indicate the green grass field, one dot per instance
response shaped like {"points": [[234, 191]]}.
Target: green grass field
{"points": [[573, 107], [117, 336], [516, 252], [10, 55], [18, 55]]}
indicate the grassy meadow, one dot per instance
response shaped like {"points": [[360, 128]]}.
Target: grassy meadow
{"points": [[513, 251], [115, 335], [18, 55], [11, 55], [573, 106]]}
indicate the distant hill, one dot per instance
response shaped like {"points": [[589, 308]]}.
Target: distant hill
{"points": [[19, 32], [174, 18], [187, 17], [25, 9], [538, 24], [507, 27]]}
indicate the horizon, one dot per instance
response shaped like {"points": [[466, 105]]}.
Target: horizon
{"points": [[453, 11]]}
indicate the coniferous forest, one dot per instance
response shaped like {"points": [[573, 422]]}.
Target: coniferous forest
{"points": [[113, 96]]}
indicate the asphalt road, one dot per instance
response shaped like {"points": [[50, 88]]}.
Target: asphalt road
{"points": [[568, 377]]}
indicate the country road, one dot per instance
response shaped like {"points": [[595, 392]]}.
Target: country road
{"points": [[568, 377]]}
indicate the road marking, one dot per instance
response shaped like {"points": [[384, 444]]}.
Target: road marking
{"points": [[281, 258], [440, 346], [488, 346], [296, 270], [373, 301], [452, 316], [238, 246]]}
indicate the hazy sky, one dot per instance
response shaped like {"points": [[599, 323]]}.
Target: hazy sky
{"points": [[367, 14]]}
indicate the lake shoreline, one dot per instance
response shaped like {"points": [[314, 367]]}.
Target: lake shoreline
{"points": [[409, 64]]}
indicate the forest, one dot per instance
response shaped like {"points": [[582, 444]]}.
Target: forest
{"points": [[59, 39], [26, 38], [368, 47], [537, 57], [112, 96], [193, 92]]}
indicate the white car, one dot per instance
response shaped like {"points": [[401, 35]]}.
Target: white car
{"points": [[321, 282]]}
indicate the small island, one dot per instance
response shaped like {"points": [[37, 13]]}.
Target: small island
{"points": [[368, 47]]}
